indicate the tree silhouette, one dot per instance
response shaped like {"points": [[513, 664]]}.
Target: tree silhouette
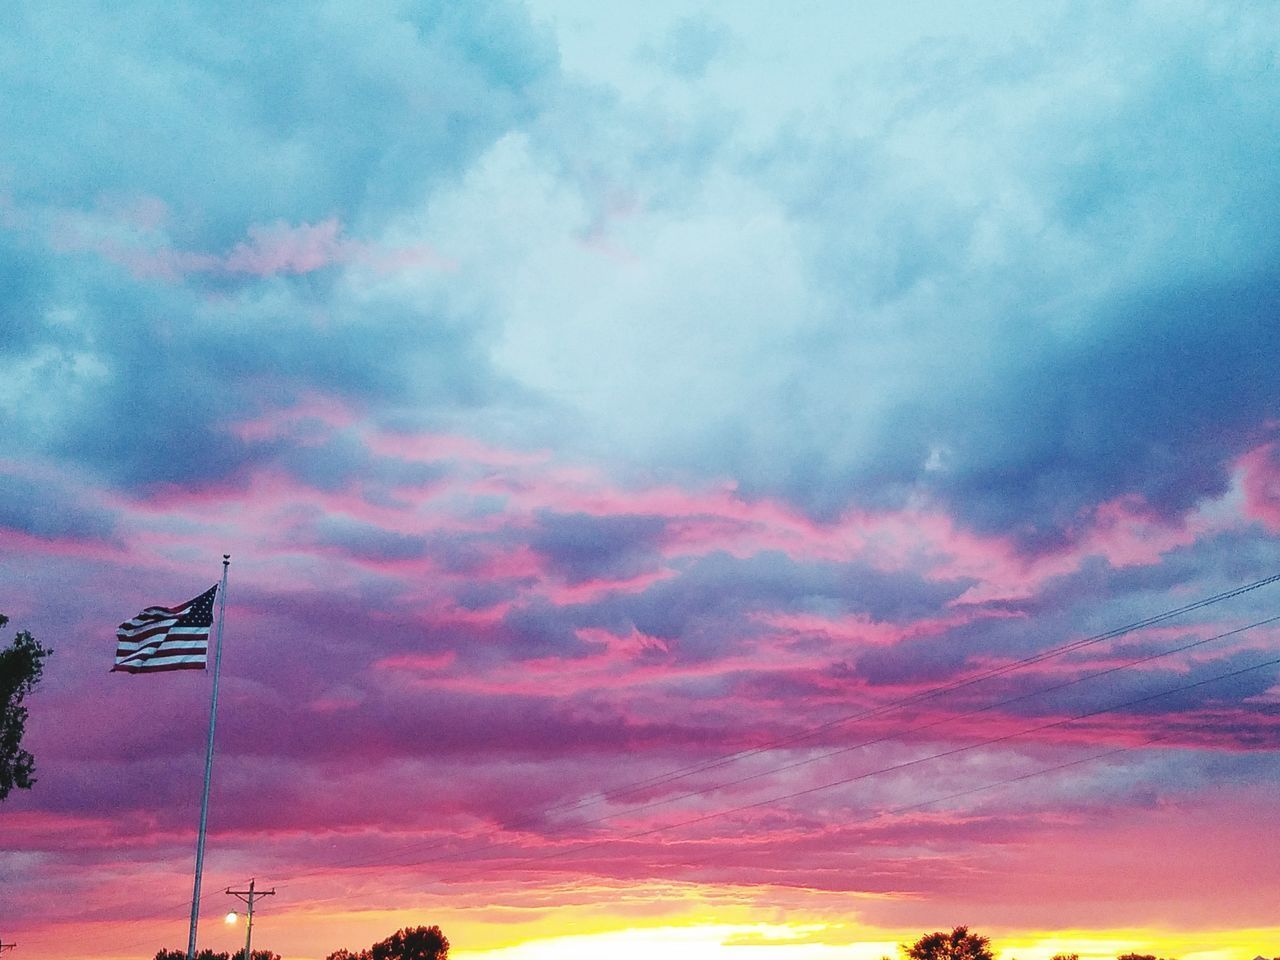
{"points": [[207, 954], [411, 943], [959, 944], [21, 664]]}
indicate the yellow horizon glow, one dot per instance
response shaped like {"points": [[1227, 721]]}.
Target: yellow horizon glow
{"points": [[676, 921], [702, 938], [696, 922], [791, 942], [707, 942]]}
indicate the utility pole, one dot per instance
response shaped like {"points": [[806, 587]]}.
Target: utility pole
{"points": [[6, 946], [248, 896]]}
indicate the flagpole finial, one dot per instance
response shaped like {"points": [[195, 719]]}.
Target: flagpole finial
{"points": [[226, 559]]}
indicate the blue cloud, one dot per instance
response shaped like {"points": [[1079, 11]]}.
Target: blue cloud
{"points": [[236, 116], [47, 510], [583, 547], [179, 129], [712, 603], [367, 542], [689, 46]]}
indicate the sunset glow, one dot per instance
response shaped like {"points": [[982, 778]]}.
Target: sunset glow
{"points": [[703, 481]]}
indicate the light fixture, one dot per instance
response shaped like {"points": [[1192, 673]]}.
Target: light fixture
{"points": [[232, 917]]}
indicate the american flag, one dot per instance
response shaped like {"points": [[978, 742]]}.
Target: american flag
{"points": [[167, 638]]}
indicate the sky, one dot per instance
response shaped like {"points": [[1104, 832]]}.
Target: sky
{"points": [[743, 481]]}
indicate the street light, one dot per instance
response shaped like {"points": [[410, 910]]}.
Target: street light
{"points": [[232, 917]]}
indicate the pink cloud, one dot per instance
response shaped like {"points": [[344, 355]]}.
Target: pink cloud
{"points": [[141, 255], [1128, 533], [1260, 477], [17, 543], [417, 662], [431, 448], [861, 630], [589, 591], [310, 420], [283, 248], [400, 259], [132, 232]]}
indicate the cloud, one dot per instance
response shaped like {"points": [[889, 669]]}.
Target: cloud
{"points": [[49, 512], [689, 46], [162, 357], [582, 547], [996, 270], [370, 542], [1261, 469], [265, 118], [779, 315], [279, 248]]}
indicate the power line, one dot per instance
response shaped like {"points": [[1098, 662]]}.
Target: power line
{"points": [[991, 741], [589, 845], [704, 818], [994, 784], [942, 721], [935, 692], [897, 735], [879, 711]]}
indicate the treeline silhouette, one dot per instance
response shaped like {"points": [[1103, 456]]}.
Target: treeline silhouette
{"points": [[411, 943], [207, 954], [962, 944], [429, 943]]}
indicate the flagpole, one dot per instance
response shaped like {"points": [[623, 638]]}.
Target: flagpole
{"points": [[208, 760]]}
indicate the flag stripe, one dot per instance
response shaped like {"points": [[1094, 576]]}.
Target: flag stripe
{"points": [[193, 656], [151, 631], [150, 654], [176, 633], [160, 667], [158, 613]]}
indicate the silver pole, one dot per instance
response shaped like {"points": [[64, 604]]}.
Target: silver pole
{"points": [[208, 761]]}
